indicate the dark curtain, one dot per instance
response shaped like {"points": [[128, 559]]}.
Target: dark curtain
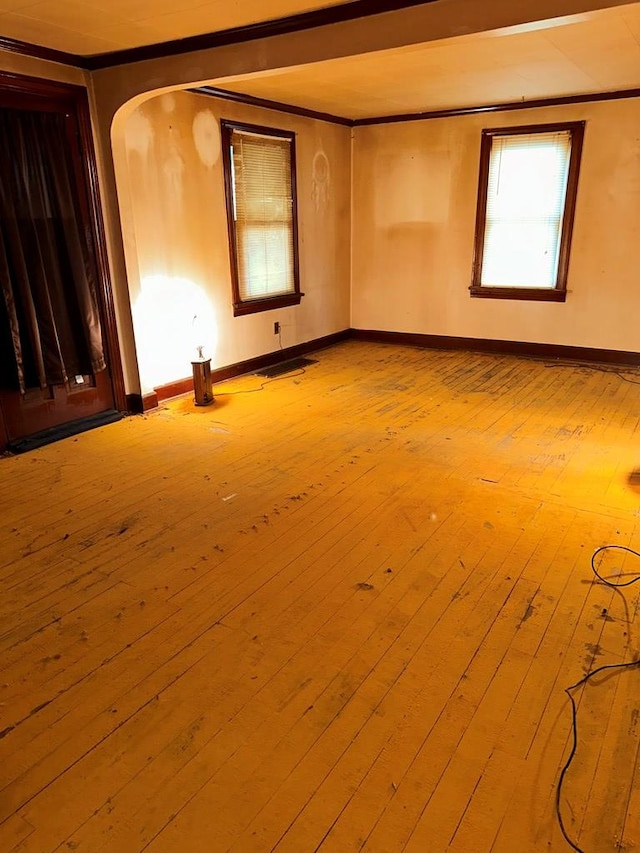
{"points": [[49, 320]]}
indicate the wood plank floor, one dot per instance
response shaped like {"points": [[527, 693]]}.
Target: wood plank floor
{"points": [[338, 614]]}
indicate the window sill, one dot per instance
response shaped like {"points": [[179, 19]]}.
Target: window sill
{"points": [[531, 294], [254, 306]]}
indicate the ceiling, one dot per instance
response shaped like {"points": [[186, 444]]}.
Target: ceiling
{"points": [[86, 27], [592, 52], [597, 51]]}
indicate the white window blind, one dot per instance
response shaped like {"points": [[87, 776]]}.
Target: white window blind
{"points": [[263, 213], [526, 192]]}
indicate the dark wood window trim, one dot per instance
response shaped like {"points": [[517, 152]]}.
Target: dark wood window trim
{"points": [[264, 303], [559, 292]]}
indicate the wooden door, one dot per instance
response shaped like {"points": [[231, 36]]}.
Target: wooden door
{"points": [[36, 406]]}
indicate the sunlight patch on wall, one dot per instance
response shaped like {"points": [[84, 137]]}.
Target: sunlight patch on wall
{"points": [[206, 137], [138, 134], [172, 317]]}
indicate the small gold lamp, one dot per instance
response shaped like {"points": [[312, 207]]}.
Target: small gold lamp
{"points": [[202, 388]]}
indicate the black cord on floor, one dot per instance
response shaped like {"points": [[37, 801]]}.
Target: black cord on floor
{"points": [[616, 371], [299, 371], [574, 709], [613, 548]]}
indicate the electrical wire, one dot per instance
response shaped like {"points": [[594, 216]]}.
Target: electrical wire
{"points": [[626, 378], [574, 746], [621, 374], [582, 681], [613, 548], [290, 375]]}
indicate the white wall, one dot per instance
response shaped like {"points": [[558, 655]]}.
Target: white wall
{"points": [[415, 192], [173, 214]]}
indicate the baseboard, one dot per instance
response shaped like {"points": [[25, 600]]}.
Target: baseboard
{"points": [[142, 403], [174, 389], [219, 374], [149, 401], [526, 348], [139, 403]]}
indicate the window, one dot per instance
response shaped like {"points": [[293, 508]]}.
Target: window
{"points": [[259, 166], [526, 201]]}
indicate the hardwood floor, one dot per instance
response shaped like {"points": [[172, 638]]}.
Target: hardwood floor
{"points": [[338, 614]]}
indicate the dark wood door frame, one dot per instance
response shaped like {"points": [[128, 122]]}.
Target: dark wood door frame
{"points": [[18, 90]]}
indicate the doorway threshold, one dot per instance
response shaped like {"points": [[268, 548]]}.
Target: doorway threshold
{"points": [[47, 436]]}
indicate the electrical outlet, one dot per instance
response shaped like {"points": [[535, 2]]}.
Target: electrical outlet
{"points": [[276, 328]]}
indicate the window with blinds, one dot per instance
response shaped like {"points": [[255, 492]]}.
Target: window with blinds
{"points": [[261, 206], [526, 201]]}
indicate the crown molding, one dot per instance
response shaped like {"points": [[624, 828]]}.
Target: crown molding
{"points": [[240, 98], [510, 106], [339, 14], [37, 51]]}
